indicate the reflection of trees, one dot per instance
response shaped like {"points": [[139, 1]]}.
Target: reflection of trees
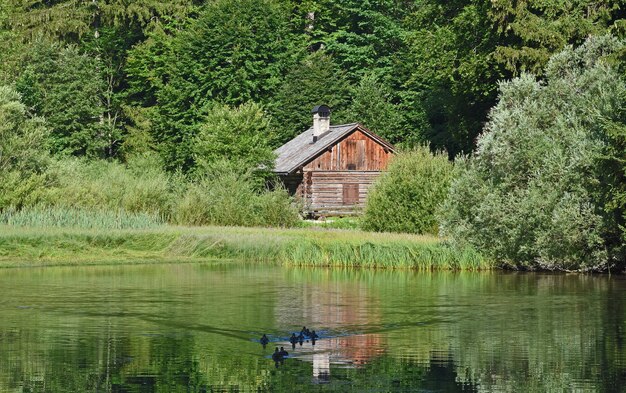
{"points": [[342, 308], [141, 332], [163, 330], [512, 332], [612, 345], [384, 374]]}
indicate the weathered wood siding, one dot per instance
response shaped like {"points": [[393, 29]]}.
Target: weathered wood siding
{"points": [[337, 192], [337, 181], [356, 152]]}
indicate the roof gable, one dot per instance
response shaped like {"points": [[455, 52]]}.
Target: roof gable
{"points": [[301, 149]]}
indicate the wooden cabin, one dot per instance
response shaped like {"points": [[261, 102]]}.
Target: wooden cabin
{"points": [[330, 168]]}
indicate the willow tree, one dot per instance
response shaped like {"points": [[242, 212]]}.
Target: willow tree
{"points": [[536, 193]]}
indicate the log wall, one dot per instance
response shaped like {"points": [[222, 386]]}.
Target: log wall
{"points": [[337, 192]]}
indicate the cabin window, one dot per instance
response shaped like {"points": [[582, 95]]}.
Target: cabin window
{"points": [[350, 194]]}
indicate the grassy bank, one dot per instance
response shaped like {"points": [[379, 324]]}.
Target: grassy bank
{"points": [[292, 247]]}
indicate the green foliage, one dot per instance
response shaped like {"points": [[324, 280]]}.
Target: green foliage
{"points": [[231, 198], [448, 72], [532, 196], [407, 196], [364, 37], [535, 29], [64, 86], [72, 19], [613, 176], [68, 217], [19, 189], [139, 186], [22, 138], [23, 152], [233, 53], [240, 134], [372, 106], [315, 80]]}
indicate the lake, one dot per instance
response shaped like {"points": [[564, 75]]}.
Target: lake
{"points": [[196, 328]]}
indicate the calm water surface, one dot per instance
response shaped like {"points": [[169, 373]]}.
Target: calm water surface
{"points": [[195, 328]]}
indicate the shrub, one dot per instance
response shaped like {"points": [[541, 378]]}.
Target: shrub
{"points": [[239, 135], [139, 186], [406, 197], [22, 138], [230, 198], [18, 189]]}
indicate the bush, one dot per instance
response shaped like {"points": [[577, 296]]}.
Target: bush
{"points": [[406, 197], [139, 186], [230, 198], [19, 189], [532, 196], [22, 138]]}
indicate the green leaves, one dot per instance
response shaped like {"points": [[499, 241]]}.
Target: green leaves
{"points": [[407, 196], [65, 86], [533, 30], [22, 138], [533, 195], [316, 80], [373, 106], [240, 135], [234, 52]]}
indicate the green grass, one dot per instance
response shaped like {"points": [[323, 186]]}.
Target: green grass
{"points": [[63, 217], [24, 246], [333, 223]]}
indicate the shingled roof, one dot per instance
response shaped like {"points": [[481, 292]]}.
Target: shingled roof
{"points": [[301, 149]]}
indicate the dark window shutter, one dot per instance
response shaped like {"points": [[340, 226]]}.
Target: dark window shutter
{"points": [[350, 194]]}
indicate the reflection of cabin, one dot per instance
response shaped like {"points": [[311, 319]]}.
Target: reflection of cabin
{"points": [[329, 168]]}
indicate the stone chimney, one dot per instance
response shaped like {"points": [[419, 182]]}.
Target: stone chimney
{"points": [[321, 121]]}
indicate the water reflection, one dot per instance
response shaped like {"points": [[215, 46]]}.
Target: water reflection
{"points": [[194, 328]]}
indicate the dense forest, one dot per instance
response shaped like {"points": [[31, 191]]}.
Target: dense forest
{"points": [[154, 107]]}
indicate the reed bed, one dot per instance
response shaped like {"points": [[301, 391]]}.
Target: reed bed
{"points": [[66, 217], [288, 247]]}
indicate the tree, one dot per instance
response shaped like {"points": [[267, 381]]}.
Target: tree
{"points": [[362, 36], [70, 20], [233, 53], [533, 30], [240, 135], [533, 195], [23, 152], [65, 86], [22, 138], [373, 107], [316, 80], [447, 73]]}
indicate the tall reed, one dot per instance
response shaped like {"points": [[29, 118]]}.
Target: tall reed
{"points": [[65, 217], [288, 247]]}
